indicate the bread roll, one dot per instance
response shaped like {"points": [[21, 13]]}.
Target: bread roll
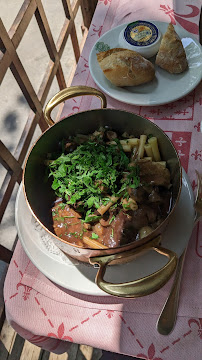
{"points": [[124, 67], [171, 55]]}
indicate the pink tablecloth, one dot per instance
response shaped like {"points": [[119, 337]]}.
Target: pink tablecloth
{"points": [[51, 317]]}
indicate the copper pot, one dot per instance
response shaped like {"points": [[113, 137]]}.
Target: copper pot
{"points": [[40, 196]]}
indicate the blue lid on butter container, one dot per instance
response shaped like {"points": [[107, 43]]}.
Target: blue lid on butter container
{"points": [[141, 36]]}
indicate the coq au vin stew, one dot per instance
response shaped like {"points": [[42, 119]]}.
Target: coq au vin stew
{"points": [[110, 189]]}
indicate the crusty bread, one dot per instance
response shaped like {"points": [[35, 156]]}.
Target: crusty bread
{"points": [[171, 55], [124, 67]]}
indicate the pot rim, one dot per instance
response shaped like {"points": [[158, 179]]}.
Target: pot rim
{"points": [[147, 238]]}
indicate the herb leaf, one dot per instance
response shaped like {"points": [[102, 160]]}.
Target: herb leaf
{"points": [[89, 175], [95, 236]]}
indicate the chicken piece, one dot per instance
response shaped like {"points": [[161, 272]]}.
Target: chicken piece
{"points": [[154, 174], [150, 211], [154, 196], [67, 223], [111, 235], [139, 219], [111, 135], [107, 218], [139, 194]]}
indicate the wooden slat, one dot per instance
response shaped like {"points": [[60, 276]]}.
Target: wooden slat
{"points": [[5, 194], [44, 355], [45, 30], [66, 9], [66, 30], [5, 61], [36, 101], [6, 56], [6, 190], [9, 161], [22, 21], [2, 47], [75, 43], [88, 8], [28, 91], [21, 76], [3, 267], [72, 8], [17, 348], [200, 27], [51, 71], [9, 58], [71, 12], [58, 357], [75, 7], [85, 34], [60, 77], [50, 45], [30, 351], [86, 351], [6, 254], [2, 315], [14, 347], [26, 136], [7, 337], [10, 181]]}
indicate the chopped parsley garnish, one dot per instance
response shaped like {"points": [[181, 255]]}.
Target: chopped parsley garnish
{"points": [[112, 219], [88, 176], [94, 236]]}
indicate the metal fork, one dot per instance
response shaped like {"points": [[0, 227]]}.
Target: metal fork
{"points": [[167, 319]]}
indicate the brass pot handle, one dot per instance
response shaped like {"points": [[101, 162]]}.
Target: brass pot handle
{"points": [[137, 288], [69, 93]]}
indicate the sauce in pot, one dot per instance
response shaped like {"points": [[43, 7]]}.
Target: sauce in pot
{"points": [[109, 191]]}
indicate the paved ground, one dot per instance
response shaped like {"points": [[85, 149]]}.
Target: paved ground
{"points": [[13, 105]]}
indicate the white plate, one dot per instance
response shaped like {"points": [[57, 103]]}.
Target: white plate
{"points": [[79, 277], [165, 87]]}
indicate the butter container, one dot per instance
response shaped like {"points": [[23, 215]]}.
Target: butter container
{"points": [[141, 36]]}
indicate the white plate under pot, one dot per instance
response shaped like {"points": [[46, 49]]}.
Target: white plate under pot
{"points": [[80, 277]]}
